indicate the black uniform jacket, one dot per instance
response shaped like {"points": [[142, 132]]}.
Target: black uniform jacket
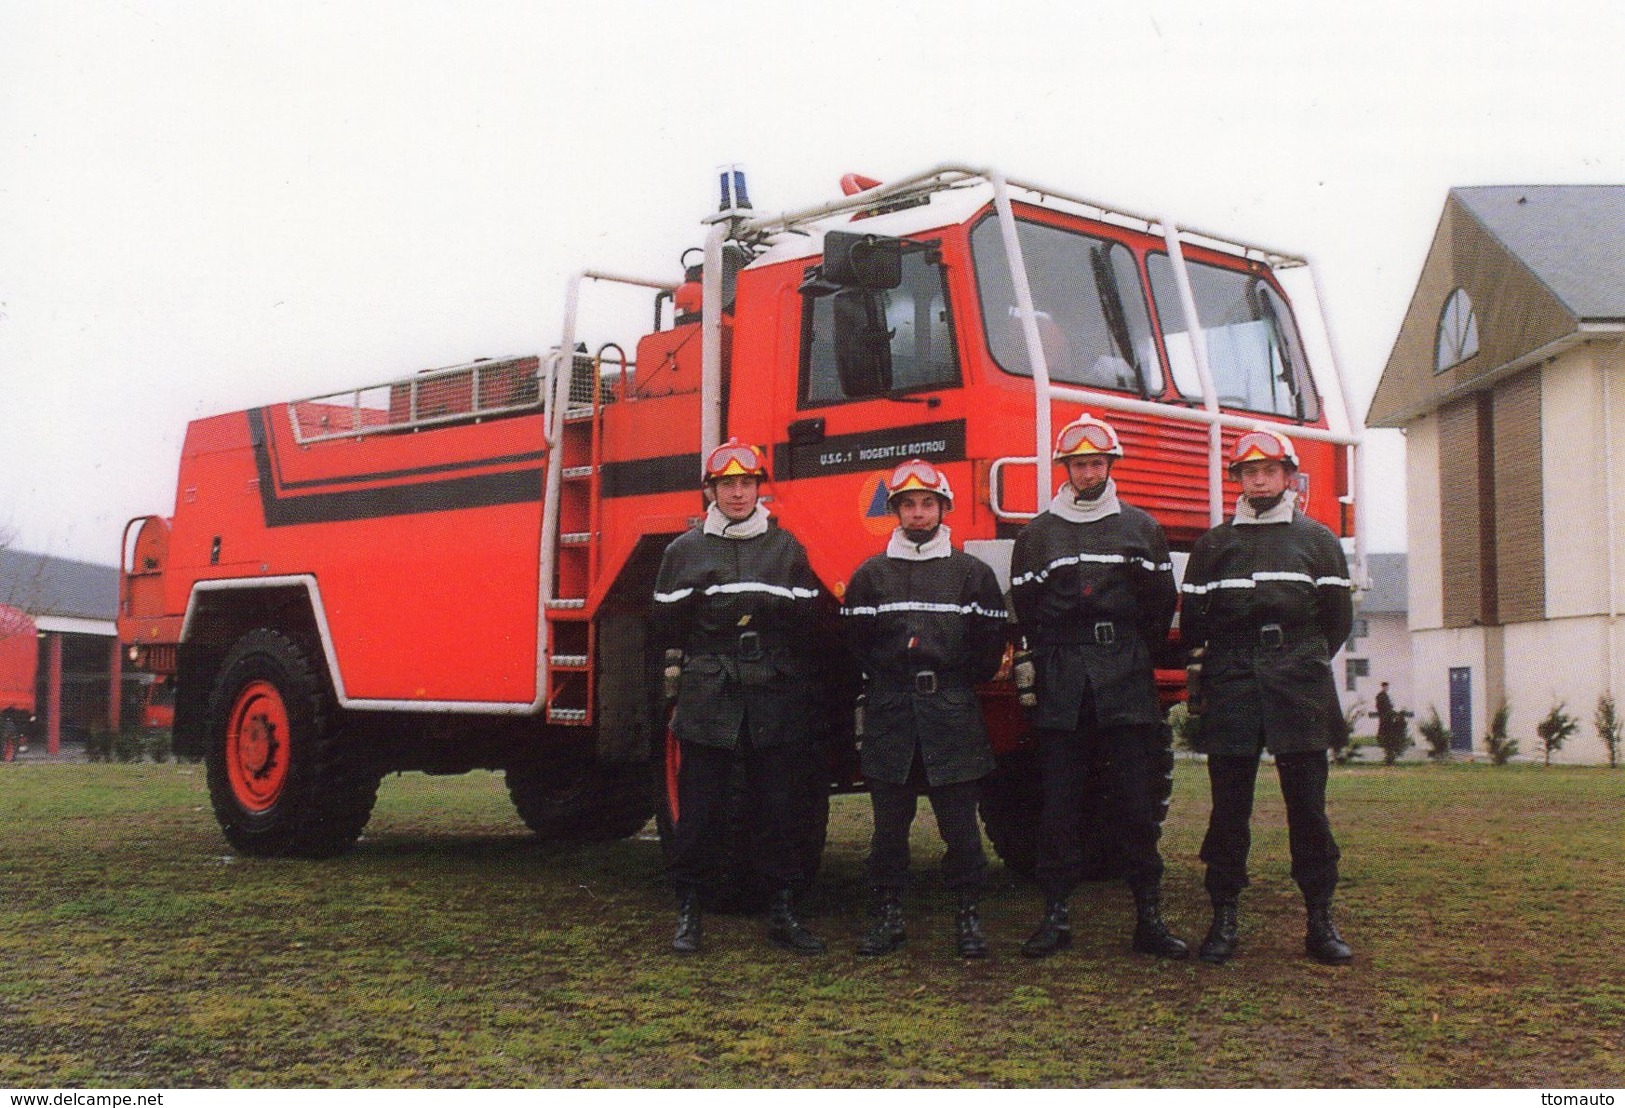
{"points": [[926, 632], [746, 613], [1240, 584], [1093, 600]]}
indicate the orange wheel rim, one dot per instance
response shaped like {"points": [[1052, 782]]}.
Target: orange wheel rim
{"points": [[257, 746]]}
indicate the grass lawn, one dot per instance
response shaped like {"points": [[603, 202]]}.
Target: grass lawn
{"points": [[1486, 907]]}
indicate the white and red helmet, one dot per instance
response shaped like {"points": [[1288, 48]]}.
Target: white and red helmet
{"points": [[917, 475], [734, 459], [1086, 436], [1261, 444]]}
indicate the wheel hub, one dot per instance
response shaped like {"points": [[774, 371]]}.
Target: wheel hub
{"points": [[256, 746]]}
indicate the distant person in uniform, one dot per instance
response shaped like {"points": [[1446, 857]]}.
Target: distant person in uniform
{"points": [[927, 625], [737, 597], [1267, 601]]}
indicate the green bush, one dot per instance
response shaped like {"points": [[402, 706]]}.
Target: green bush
{"points": [[1500, 747], [1557, 726], [1436, 735], [158, 746], [1183, 725], [99, 744], [1609, 726]]}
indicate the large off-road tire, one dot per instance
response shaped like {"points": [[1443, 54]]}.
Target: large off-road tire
{"points": [[281, 777], [1012, 799], [580, 800], [738, 888]]}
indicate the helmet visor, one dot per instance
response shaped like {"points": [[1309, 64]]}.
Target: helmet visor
{"points": [[732, 460], [1260, 446], [916, 475], [1085, 438]]}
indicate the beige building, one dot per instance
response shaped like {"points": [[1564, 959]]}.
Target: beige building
{"points": [[1379, 646], [1506, 378]]}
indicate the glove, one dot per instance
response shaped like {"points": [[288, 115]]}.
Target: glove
{"points": [[672, 677], [1193, 681], [1026, 675]]}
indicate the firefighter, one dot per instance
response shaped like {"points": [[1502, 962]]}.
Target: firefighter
{"points": [[733, 603], [1094, 594], [1268, 600], [927, 624]]}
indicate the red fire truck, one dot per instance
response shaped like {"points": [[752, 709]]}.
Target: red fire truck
{"points": [[453, 570], [19, 664]]}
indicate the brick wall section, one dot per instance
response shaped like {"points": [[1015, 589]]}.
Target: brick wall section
{"points": [[1520, 549], [1459, 513]]}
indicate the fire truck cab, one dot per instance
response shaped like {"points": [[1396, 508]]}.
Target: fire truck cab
{"points": [[453, 570]]}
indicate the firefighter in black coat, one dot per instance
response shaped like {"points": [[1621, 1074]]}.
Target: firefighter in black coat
{"points": [[927, 624], [733, 604], [1094, 593], [1268, 601]]}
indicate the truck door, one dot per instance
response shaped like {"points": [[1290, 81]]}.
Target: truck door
{"points": [[843, 436]]}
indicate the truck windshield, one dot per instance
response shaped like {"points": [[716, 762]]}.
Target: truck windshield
{"points": [[922, 346], [1092, 318], [1253, 347]]}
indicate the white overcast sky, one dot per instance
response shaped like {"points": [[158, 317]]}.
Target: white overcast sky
{"points": [[205, 206]]}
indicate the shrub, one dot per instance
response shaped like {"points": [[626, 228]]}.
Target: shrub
{"points": [[99, 744], [1557, 726], [1500, 747], [158, 746], [1350, 750], [1436, 735], [1609, 726], [129, 745], [1183, 725], [1398, 741]]}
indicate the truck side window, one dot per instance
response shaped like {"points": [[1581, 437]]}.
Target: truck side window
{"points": [[1090, 303], [922, 346], [1253, 346]]}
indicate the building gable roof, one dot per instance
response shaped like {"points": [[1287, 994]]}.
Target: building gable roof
{"points": [[1542, 265], [42, 585], [1572, 237]]}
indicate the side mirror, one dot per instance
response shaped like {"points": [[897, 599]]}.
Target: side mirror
{"points": [[862, 343], [862, 261]]}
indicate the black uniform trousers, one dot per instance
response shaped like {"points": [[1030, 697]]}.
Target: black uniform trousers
{"points": [[1122, 756], [777, 779], [964, 865], [1229, 832]]}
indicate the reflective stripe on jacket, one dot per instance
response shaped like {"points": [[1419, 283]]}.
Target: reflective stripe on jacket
{"points": [[1241, 585], [1094, 600], [943, 617]]}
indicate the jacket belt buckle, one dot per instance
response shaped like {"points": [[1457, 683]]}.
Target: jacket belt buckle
{"points": [[1105, 633], [925, 682], [1271, 637], [750, 646]]}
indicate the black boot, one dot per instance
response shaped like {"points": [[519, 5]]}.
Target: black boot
{"points": [[1322, 942], [968, 924], [1151, 935], [783, 929], [886, 933], [687, 939], [1054, 932], [1220, 944]]}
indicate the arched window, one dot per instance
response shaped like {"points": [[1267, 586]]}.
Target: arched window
{"points": [[1458, 332]]}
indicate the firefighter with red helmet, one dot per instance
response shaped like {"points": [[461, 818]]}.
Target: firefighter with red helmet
{"points": [[1268, 601], [927, 624], [736, 597], [1094, 593]]}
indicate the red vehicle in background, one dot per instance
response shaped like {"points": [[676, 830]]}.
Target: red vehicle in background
{"points": [[452, 570], [19, 667]]}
